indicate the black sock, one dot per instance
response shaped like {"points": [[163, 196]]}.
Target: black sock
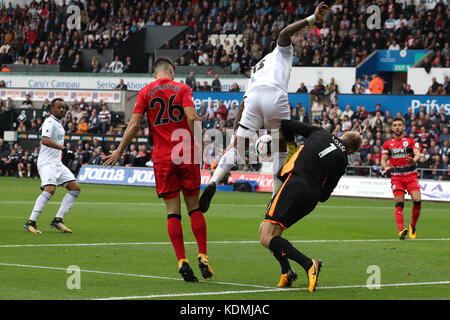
{"points": [[279, 244], [283, 260]]}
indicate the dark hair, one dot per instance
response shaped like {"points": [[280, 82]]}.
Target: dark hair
{"points": [[398, 119], [56, 100], [161, 61]]}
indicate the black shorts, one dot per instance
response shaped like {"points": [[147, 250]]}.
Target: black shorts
{"points": [[296, 198]]}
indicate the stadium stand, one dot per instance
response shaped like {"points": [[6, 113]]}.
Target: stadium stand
{"points": [[234, 35], [35, 34]]}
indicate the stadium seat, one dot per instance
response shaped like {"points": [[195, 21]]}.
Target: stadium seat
{"points": [[213, 37], [231, 37]]}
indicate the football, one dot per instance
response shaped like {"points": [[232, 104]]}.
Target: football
{"points": [[264, 146]]}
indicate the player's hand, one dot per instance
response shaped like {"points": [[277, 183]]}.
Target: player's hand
{"points": [[385, 171], [111, 159], [321, 11], [410, 160]]}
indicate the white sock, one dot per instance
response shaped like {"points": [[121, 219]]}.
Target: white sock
{"points": [[39, 206], [278, 162], [67, 203], [227, 162]]}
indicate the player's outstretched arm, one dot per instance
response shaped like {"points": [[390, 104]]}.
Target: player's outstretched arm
{"points": [[294, 127], [284, 38], [132, 129]]}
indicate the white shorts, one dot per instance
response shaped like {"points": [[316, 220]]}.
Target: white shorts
{"points": [[264, 106], [55, 174]]}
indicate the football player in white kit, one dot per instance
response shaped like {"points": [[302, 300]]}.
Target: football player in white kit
{"points": [[265, 104], [51, 170]]}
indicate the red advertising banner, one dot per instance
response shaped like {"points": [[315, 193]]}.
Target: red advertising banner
{"points": [[265, 181]]}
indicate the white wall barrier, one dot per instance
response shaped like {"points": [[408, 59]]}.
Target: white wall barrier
{"points": [[431, 190], [344, 77], [420, 80]]}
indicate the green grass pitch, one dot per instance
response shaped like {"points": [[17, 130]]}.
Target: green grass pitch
{"points": [[121, 245]]}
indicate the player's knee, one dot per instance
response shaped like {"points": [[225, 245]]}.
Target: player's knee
{"points": [[264, 239], [74, 187], [50, 189], [399, 204]]}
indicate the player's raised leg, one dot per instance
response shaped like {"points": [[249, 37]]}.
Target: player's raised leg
{"points": [[66, 204], [233, 155]]}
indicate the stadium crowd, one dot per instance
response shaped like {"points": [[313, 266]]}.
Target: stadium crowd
{"points": [[38, 33], [429, 128]]}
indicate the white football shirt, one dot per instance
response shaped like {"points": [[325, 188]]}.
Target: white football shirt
{"points": [[274, 69], [53, 129]]}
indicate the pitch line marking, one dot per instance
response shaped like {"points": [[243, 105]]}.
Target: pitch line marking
{"points": [[216, 204], [267, 290], [209, 242], [130, 275], [261, 289]]}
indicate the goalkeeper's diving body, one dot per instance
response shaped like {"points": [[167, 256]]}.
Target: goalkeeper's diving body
{"points": [[308, 177], [265, 104]]}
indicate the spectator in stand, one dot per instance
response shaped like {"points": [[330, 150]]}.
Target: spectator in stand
{"points": [[190, 80], [232, 114], [104, 118], [357, 85], [128, 66], [316, 107], [347, 112], [302, 88], [82, 126], [234, 87], [445, 135], [77, 65], [216, 85], [121, 85], [116, 66], [407, 89], [93, 122], [27, 103], [235, 66], [206, 87], [376, 86]]}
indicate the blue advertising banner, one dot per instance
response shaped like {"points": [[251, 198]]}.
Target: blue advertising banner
{"points": [[398, 60], [228, 98], [396, 103], [136, 176]]}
